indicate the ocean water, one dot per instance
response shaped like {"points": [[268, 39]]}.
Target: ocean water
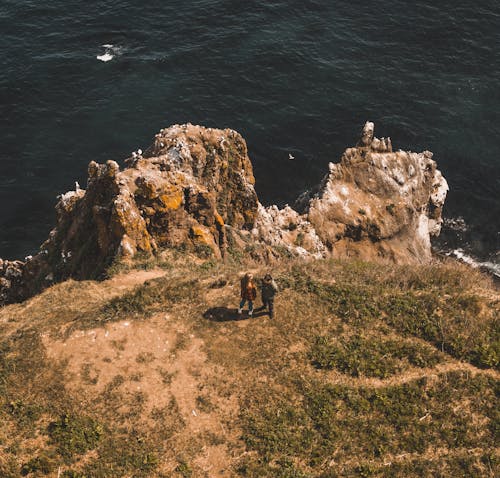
{"points": [[84, 81]]}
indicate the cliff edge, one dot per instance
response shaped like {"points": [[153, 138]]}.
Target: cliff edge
{"points": [[194, 189]]}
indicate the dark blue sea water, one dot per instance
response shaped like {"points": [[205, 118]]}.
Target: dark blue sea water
{"points": [[299, 76]]}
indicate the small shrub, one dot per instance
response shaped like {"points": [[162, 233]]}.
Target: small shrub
{"points": [[73, 474], [43, 464], [282, 251], [136, 377], [166, 376], [203, 250], [208, 265], [204, 404], [184, 470], [299, 240], [86, 374], [181, 342], [26, 414], [119, 344], [115, 383]]}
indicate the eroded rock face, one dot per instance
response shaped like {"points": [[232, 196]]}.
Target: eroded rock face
{"points": [[374, 204], [379, 203], [194, 188], [182, 192]]}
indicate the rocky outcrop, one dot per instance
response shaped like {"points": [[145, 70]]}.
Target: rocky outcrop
{"points": [[194, 189], [374, 204], [180, 193], [11, 281]]}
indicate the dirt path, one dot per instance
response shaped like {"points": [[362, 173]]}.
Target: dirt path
{"points": [[132, 278], [338, 378]]}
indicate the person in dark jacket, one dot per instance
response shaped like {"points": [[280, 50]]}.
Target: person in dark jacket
{"points": [[248, 293], [268, 290]]}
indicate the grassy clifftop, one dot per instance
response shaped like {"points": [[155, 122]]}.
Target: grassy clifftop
{"points": [[367, 370]]}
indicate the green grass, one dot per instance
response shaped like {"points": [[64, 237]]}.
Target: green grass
{"points": [[451, 324], [370, 356], [283, 468], [74, 435], [364, 325], [463, 464], [128, 452], [442, 314], [26, 371], [369, 423]]}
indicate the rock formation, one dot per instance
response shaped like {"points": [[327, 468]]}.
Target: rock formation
{"points": [[375, 204], [194, 189]]}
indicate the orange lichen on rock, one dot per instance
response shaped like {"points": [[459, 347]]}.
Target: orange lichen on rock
{"points": [[218, 219], [172, 201]]}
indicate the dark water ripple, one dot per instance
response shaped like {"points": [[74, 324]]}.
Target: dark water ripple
{"points": [[295, 76]]}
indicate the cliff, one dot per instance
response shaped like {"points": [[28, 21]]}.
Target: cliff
{"points": [[194, 189]]}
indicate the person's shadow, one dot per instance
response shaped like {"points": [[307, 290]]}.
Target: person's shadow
{"points": [[225, 314]]}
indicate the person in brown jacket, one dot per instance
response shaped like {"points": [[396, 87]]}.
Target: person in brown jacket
{"points": [[248, 293]]}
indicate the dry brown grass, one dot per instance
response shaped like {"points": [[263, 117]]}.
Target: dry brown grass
{"points": [[149, 374]]}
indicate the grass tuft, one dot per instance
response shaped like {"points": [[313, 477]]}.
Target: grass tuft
{"points": [[75, 435]]}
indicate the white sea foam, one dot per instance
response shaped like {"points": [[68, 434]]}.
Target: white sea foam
{"points": [[110, 52], [462, 256], [456, 224], [105, 57]]}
